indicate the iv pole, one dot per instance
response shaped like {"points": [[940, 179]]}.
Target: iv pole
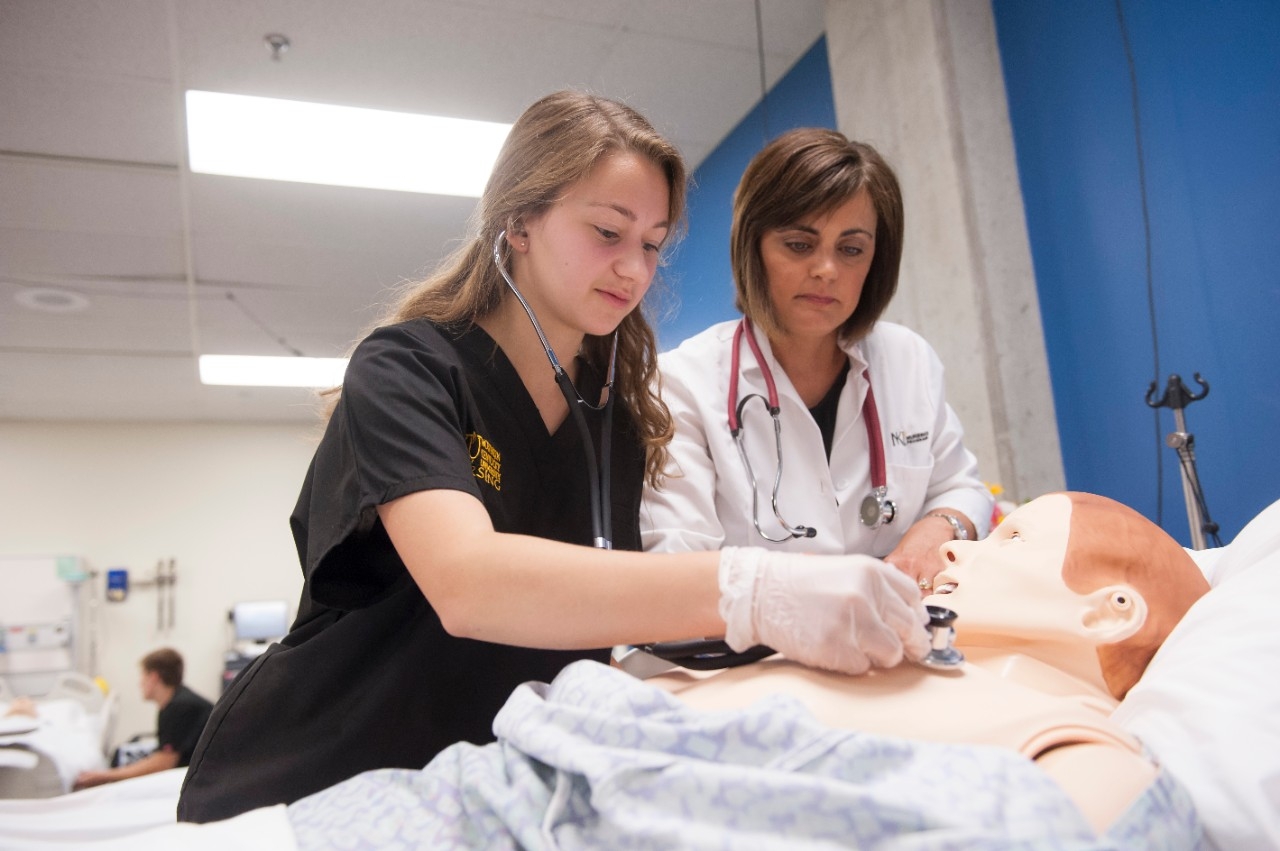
{"points": [[1177, 397]]}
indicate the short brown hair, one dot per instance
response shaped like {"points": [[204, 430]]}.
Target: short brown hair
{"points": [[812, 171], [166, 662]]}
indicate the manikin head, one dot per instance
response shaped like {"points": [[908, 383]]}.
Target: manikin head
{"points": [[1067, 572]]}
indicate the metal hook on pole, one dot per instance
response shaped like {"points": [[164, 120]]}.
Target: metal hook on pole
{"points": [[278, 44], [1177, 396]]}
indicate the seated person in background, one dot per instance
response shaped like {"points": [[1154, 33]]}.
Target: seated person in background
{"points": [[815, 247], [179, 722], [1059, 611]]}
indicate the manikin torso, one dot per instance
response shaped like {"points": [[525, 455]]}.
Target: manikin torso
{"points": [[1065, 729], [1031, 681]]}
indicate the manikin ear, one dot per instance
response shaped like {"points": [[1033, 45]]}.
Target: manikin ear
{"points": [[1113, 613]]}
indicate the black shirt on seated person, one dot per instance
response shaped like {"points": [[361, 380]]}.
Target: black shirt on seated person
{"points": [[180, 722], [367, 677]]}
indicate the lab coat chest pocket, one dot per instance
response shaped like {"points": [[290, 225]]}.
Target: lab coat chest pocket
{"points": [[908, 487]]}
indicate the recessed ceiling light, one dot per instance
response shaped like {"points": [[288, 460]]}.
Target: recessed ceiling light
{"points": [[51, 300], [275, 139], [262, 371]]}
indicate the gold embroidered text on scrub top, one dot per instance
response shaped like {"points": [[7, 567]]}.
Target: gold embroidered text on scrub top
{"points": [[486, 460]]}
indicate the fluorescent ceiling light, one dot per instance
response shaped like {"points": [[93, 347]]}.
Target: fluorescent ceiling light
{"points": [[275, 139], [254, 371]]}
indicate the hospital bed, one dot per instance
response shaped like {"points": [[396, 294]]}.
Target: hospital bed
{"points": [[40, 756], [1205, 709]]}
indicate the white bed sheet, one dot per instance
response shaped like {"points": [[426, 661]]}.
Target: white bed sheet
{"points": [[63, 730], [137, 815], [114, 810], [1208, 704]]}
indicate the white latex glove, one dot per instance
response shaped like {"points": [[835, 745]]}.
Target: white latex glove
{"points": [[839, 612]]}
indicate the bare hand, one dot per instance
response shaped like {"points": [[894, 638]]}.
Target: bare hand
{"points": [[86, 779], [917, 554], [22, 706]]}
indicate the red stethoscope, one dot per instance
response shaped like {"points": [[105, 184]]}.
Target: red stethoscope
{"points": [[876, 509]]}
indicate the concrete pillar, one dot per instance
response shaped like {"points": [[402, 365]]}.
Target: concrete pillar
{"points": [[921, 81]]}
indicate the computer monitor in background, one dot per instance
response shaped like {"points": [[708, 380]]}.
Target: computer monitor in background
{"points": [[260, 621]]}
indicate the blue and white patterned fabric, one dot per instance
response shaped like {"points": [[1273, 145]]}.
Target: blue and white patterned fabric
{"points": [[598, 759]]}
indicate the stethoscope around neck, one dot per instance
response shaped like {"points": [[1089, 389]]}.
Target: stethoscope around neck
{"points": [[597, 475], [876, 509]]}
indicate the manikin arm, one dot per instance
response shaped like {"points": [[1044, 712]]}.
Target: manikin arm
{"points": [[149, 764]]}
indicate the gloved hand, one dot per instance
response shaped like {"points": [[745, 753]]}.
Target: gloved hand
{"points": [[840, 612]]}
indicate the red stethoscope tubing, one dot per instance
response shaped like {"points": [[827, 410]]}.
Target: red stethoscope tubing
{"points": [[870, 413]]}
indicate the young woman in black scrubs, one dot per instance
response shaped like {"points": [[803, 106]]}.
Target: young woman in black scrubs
{"points": [[445, 526]]}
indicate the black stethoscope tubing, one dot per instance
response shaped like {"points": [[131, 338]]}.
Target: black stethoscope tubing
{"points": [[696, 654], [597, 474]]}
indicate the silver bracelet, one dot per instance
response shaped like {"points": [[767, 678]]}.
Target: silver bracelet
{"points": [[957, 526]]}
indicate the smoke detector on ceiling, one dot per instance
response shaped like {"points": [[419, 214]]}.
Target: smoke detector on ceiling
{"points": [[51, 300]]}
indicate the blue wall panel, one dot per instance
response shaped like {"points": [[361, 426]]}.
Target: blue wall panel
{"points": [[1208, 81], [698, 273]]}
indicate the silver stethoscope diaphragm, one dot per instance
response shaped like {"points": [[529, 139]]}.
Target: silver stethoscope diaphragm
{"points": [[942, 652]]}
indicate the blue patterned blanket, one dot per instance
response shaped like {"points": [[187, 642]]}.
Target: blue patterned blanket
{"points": [[597, 759]]}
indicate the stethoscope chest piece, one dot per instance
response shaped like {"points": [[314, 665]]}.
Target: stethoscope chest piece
{"points": [[876, 509], [942, 654]]}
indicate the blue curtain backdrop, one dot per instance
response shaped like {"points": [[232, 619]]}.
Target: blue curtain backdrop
{"points": [[1208, 83]]}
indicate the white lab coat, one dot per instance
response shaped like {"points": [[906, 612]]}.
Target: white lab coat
{"points": [[705, 502]]}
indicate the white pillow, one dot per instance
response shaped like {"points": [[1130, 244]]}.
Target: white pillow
{"points": [[1207, 561], [1208, 706]]}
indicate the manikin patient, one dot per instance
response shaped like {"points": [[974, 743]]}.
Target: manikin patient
{"points": [[1060, 610]]}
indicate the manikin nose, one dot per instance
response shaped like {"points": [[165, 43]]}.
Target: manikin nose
{"points": [[954, 551]]}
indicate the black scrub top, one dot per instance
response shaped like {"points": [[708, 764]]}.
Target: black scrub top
{"points": [[367, 677], [180, 722]]}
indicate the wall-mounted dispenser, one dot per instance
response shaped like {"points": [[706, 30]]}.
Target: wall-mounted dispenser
{"points": [[117, 584]]}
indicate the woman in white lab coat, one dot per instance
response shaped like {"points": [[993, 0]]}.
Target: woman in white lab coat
{"points": [[815, 248]]}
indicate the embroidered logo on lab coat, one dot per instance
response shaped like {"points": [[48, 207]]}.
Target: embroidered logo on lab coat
{"points": [[906, 438], [486, 461]]}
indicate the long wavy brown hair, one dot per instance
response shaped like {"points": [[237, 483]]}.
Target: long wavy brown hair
{"points": [[554, 143]]}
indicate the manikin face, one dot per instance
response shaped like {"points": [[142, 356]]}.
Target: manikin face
{"points": [[816, 267], [1009, 585], [590, 258]]}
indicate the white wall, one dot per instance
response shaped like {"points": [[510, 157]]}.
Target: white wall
{"points": [[215, 498]]}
